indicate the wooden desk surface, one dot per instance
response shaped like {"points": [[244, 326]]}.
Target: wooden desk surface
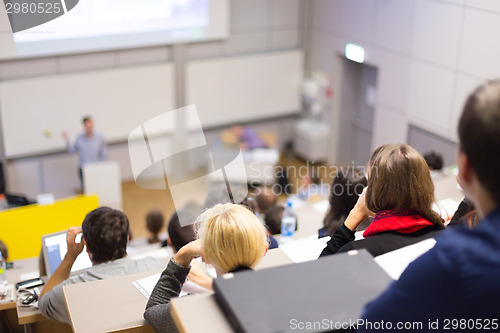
{"points": [[107, 305], [13, 276], [205, 304], [213, 317], [116, 304]]}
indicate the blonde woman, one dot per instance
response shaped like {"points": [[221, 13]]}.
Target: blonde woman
{"points": [[231, 239], [400, 194]]}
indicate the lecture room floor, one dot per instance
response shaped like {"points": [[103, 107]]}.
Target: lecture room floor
{"points": [[137, 201]]}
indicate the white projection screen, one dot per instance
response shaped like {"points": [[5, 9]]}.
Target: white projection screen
{"points": [[99, 25]]}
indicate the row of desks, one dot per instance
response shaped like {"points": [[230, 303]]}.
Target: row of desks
{"points": [[117, 305]]}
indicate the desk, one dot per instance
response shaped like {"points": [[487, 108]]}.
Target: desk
{"points": [[13, 276], [184, 307], [213, 316], [30, 318], [107, 305], [118, 306]]}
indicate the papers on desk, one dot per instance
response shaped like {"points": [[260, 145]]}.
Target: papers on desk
{"points": [[395, 262], [7, 294], [146, 286], [305, 249], [446, 208]]}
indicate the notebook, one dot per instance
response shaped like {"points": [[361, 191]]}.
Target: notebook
{"points": [[54, 249], [314, 296]]}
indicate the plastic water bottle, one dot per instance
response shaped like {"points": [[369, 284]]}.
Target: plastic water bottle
{"points": [[3, 275], [288, 223]]}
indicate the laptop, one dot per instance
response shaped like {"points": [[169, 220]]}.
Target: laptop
{"points": [[54, 249], [14, 200], [316, 296]]}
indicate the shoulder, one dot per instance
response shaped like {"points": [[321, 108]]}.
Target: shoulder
{"points": [[470, 244], [391, 240], [147, 263]]}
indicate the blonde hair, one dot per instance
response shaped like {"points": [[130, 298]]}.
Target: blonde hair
{"points": [[400, 180], [231, 237]]}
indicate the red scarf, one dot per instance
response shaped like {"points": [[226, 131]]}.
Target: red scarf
{"points": [[405, 222]]}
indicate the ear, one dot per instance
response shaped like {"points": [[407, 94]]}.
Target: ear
{"points": [[267, 248], [203, 256], [87, 248], [465, 172]]}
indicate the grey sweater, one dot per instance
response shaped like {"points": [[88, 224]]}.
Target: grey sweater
{"points": [[157, 312]]}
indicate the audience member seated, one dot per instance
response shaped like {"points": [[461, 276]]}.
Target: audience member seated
{"points": [[246, 138], [434, 160], [154, 224], [273, 218], [346, 188], [466, 215], [456, 282], [251, 204], [231, 239], [400, 193], [311, 186], [179, 236], [265, 199], [105, 234], [4, 251]]}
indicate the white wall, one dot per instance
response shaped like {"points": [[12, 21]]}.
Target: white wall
{"points": [[256, 26], [430, 55]]}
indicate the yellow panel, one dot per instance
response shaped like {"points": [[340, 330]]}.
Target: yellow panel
{"points": [[22, 228]]}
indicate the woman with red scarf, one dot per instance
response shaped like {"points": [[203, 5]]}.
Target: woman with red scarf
{"points": [[400, 194]]}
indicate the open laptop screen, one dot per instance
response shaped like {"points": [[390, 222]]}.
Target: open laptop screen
{"points": [[54, 249]]}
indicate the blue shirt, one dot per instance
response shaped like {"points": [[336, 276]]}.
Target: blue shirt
{"points": [[458, 279], [91, 149]]}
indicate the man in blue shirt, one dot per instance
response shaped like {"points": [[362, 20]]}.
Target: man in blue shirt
{"points": [[456, 285], [90, 145]]}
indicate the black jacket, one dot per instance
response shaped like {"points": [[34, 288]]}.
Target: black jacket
{"points": [[342, 240]]}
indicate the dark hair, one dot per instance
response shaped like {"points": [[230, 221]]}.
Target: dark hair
{"points": [[86, 118], [400, 180], [265, 199], [4, 251], [346, 187], [154, 224], [250, 204], [106, 232], [180, 236], [434, 160], [479, 134], [272, 219]]}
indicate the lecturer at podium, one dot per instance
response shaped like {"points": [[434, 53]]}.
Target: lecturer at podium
{"points": [[89, 145]]}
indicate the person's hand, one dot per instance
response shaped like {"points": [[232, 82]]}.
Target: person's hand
{"points": [[74, 248], [188, 252], [65, 136], [359, 213], [361, 207], [198, 276]]}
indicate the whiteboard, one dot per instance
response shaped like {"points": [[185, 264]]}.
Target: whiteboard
{"points": [[245, 88], [36, 111]]}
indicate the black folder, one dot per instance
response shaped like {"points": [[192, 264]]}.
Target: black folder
{"points": [[317, 296]]}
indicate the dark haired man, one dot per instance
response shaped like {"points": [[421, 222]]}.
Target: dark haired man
{"points": [[455, 286], [105, 234]]}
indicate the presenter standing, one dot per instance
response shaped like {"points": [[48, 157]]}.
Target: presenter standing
{"points": [[89, 145]]}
